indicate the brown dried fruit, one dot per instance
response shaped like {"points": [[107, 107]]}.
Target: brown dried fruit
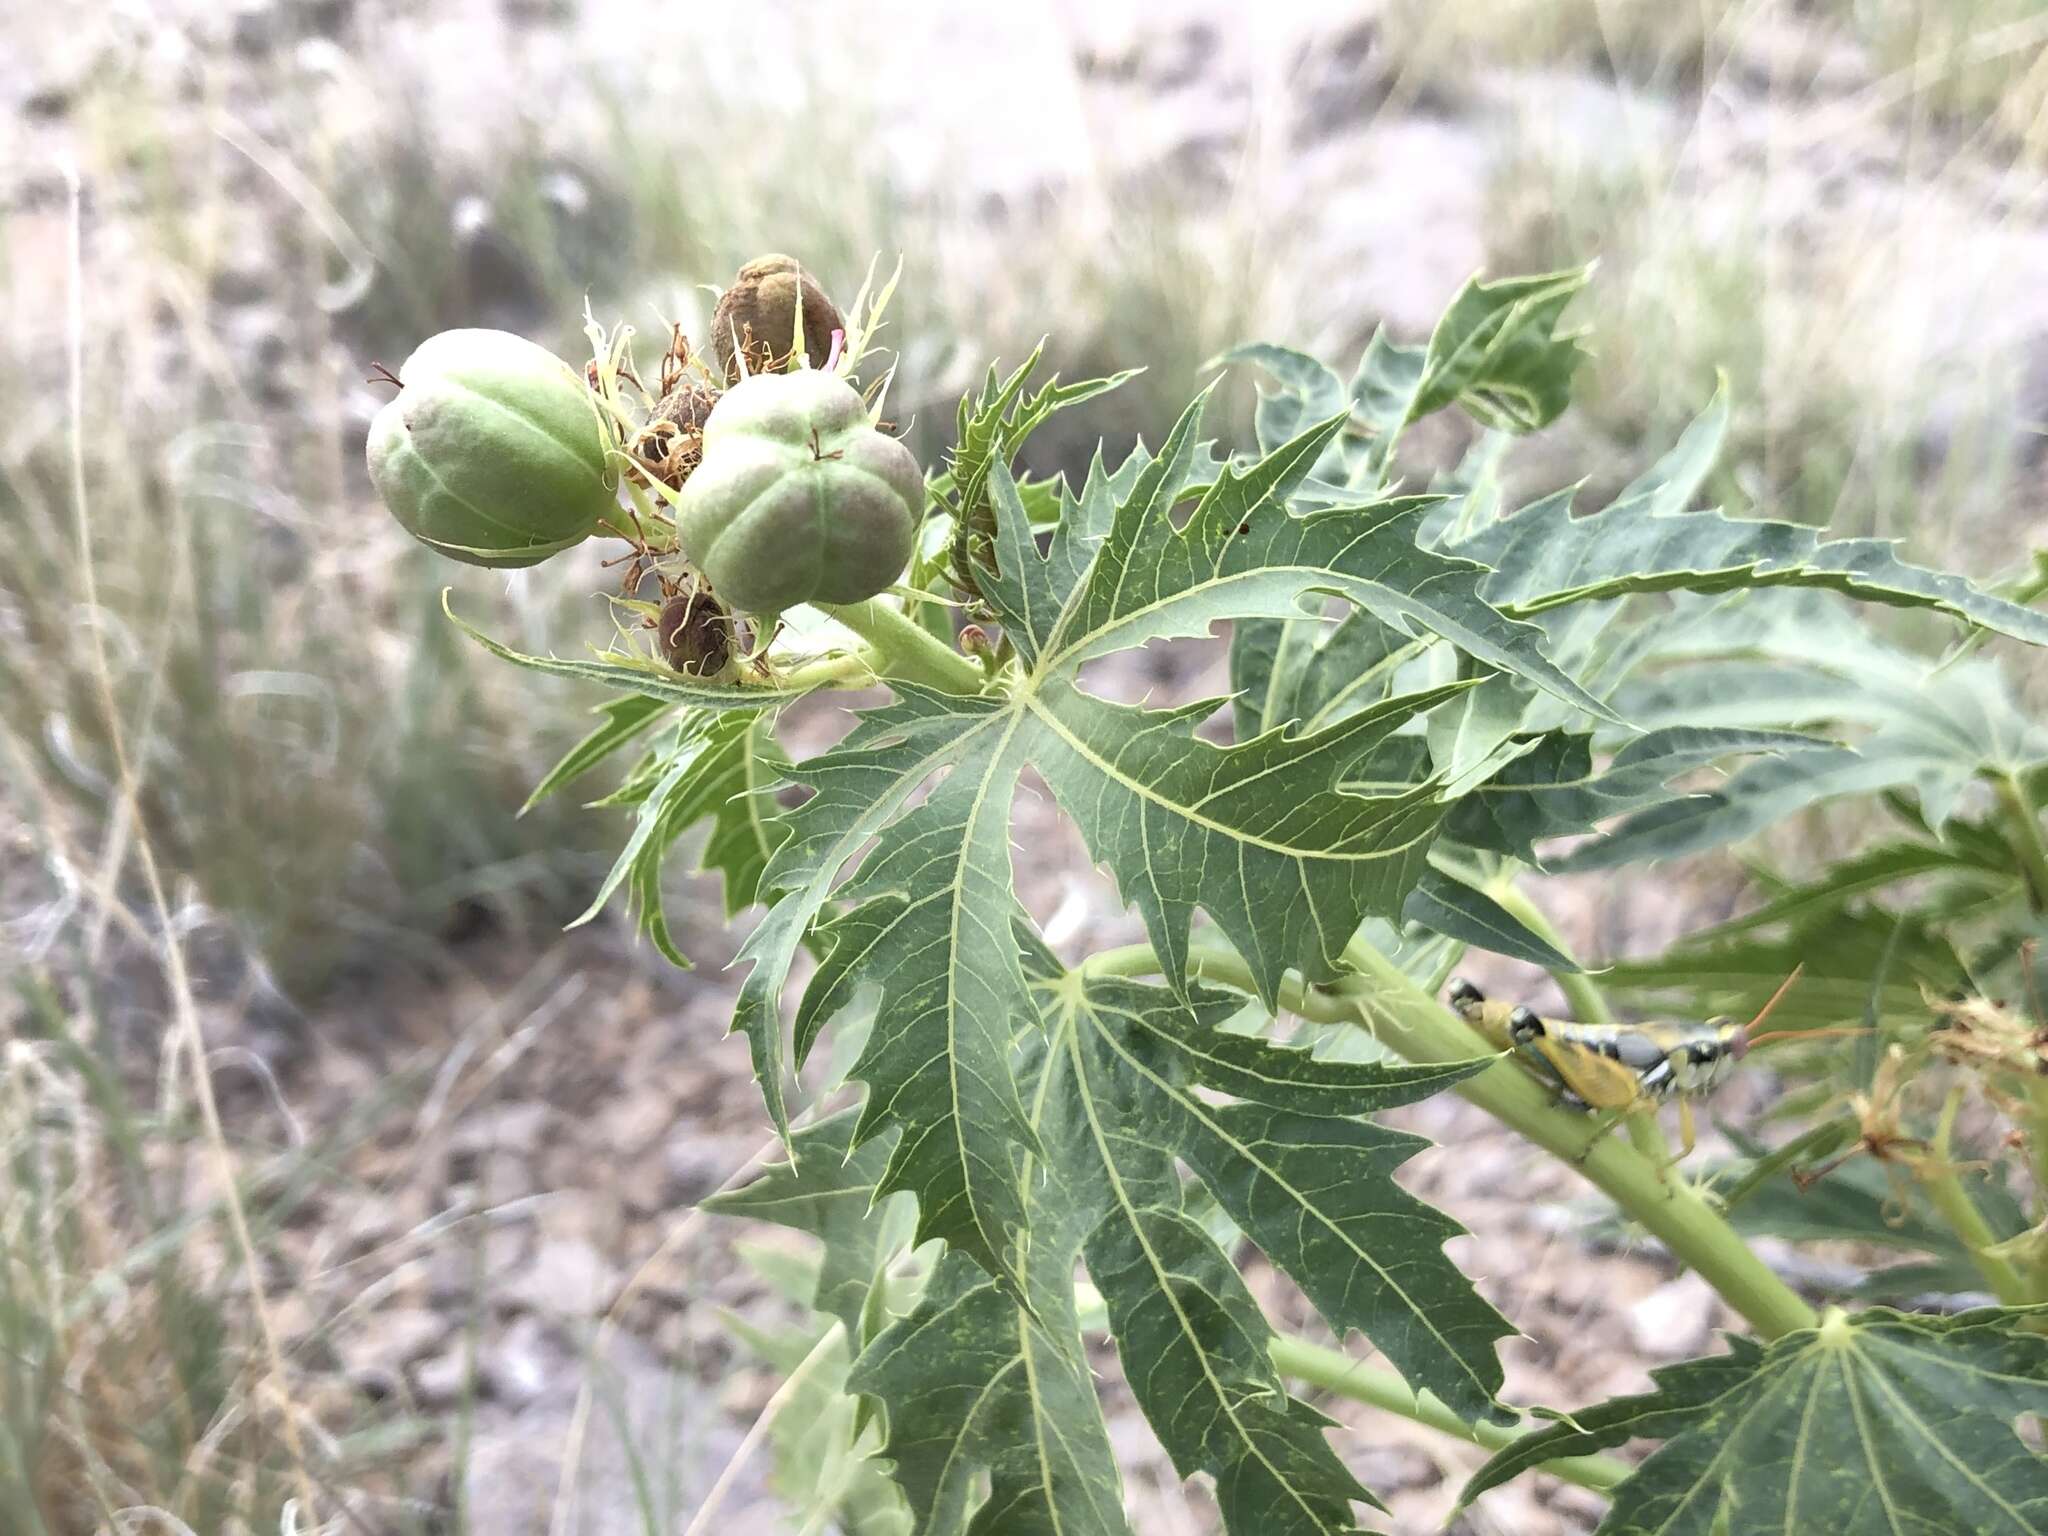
{"points": [[670, 444], [696, 634], [757, 316]]}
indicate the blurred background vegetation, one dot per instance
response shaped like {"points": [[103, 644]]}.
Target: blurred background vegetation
{"points": [[1823, 199], [1838, 202]]}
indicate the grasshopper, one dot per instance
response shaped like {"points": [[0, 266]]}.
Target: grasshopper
{"points": [[1623, 1069]]}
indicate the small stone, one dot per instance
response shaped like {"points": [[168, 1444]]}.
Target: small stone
{"points": [[566, 1277], [443, 1380], [501, 1125], [464, 1268], [393, 1338], [1674, 1321], [520, 1367]]}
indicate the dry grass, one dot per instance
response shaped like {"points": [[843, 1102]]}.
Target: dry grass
{"points": [[331, 768], [1865, 322], [138, 1385]]}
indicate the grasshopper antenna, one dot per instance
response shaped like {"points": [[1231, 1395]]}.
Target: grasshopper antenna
{"points": [[1777, 997], [1789, 1034]]}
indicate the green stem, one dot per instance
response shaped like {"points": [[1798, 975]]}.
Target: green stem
{"points": [[906, 649], [2036, 1131], [1336, 1372], [1382, 998], [1946, 1193], [853, 669], [1588, 1002], [2037, 1139], [2028, 840]]}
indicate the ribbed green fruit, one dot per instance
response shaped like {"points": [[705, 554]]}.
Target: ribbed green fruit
{"points": [[798, 499], [492, 452]]}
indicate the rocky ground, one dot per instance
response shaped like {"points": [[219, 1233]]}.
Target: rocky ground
{"points": [[506, 1238]]}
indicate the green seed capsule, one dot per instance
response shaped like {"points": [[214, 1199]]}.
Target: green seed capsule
{"points": [[493, 451], [798, 498]]}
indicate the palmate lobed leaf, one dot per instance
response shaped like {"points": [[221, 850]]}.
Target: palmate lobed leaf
{"points": [[981, 1379], [977, 1386], [1646, 540], [1265, 835], [1554, 790], [1291, 1163], [1880, 1424]]}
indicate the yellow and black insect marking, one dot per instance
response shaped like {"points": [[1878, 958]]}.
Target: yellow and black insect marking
{"points": [[1619, 1068]]}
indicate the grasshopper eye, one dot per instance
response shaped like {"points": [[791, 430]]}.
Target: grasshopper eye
{"points": [[1524, 1025], [1463, 994]]}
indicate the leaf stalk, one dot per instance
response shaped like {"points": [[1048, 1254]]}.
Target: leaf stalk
{"points": [[1946, 1194], [905, 649], [2028, 840], [1338, 1373]]}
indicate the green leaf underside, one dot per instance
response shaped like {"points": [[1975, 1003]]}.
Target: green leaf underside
{"points": [[648, 678], [626, 719], [1302, 1177], [1554, 790], [973, 1382], [976, 1386], [1881, 1424], [1544, 557], [828, 1190], [987, 1378], [1445, 904]]}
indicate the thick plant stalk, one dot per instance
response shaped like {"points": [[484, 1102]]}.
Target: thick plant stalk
{"points": [[1945, 1192], [1334, 1371], [2037, 1144], [2028, 841], [904, 649], [1416, 1025], [1381, 998], [854, 669]]}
